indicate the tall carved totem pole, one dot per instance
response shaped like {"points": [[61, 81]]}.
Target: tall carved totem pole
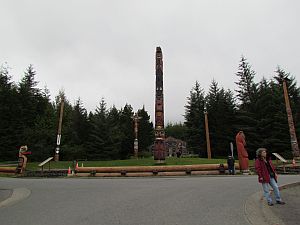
{"points": [[159, 143]]}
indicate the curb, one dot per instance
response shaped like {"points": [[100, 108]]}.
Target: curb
{"points": [[257, 212], [289, 185], [18, 194]]}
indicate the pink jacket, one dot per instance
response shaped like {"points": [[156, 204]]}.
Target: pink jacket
{"points": [[262, 171]]}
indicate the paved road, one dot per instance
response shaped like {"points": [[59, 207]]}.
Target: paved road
{"points": [[132, 201], [4, 194]]}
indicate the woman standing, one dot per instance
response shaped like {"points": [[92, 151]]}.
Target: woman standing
{"points": [[267, 176]]}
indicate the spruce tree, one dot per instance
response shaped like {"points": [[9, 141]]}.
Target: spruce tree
{"points": [[126, 126], [8, 116], [79, 133], [271, 127], [194, 121], [221, 115], [35, 114], [145, 130], [176, 130], [27, 106], [99, 134], [246, 114], [113, 145], [247, 88], [42, 135]]}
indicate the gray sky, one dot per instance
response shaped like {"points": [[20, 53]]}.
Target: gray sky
{"points": [[96, 49]]}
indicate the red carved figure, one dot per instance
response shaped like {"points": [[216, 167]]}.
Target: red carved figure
{"points": [[242, 152], [22, 159]]}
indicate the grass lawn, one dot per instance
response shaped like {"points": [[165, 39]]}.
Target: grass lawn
{"points": [[127, 162]]}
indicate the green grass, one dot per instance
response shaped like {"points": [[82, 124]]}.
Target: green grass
{"points": [[7, 175], [127, 162], [130, 162]]}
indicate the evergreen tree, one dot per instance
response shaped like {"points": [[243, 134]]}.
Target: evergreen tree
{"points": [[33, 108], [246, 86], [79, 124], [79, 133], [194, 121], [8, 116], [113, 146], [145, 130], [42, 135], [246, 114], [27, 106], [27, 116], [177, 130], [269, 115], [99, 134], [126, 126], [221, 115]]}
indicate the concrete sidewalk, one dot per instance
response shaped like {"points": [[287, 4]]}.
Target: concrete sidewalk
{"points": [[290, 212], [11, 197], [257, 211]]}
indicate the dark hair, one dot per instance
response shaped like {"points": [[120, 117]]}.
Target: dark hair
{"points": [[259, 151]]}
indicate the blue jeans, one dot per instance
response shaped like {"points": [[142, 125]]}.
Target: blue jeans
{"points": [[266, 189], [231, 171]]}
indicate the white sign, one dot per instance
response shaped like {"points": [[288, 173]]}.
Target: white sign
{"points": [[280, 157]]}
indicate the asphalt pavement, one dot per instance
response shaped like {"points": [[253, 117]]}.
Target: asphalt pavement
{"points": [[4, 194], [131, 201]]}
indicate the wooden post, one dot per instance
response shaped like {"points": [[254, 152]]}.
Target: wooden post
{"points": [[231, 148], [136, 119], [56, 156], [207, 136], [294, 142]]}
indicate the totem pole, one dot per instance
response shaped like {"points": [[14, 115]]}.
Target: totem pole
{"points": [[56, 155], [136, 119], [293, 137], [159, 143], [22, 159], [208, 149], [242, 152]]}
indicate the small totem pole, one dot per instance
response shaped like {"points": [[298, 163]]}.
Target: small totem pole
{"points": [[208, 149], [56, 156], [22, 159], [136, 119]]}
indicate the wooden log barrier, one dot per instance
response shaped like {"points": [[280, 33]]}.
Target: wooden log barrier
{"points": [[147, 174], [212, 172], [137, 171], [8, 169], [114, 175]]}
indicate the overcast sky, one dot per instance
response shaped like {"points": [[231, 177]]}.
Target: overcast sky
{"points": [[95, 49]]}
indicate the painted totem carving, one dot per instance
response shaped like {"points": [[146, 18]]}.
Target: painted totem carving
{"points": [[159, 144], [242, 152]]}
